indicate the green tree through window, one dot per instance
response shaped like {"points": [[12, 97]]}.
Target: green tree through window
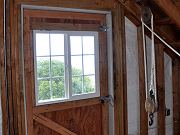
{"points": [[55, 87]]}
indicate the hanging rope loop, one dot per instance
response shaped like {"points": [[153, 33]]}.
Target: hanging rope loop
{"points": [[151, 103]]}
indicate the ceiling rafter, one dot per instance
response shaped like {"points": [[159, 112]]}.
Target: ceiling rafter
{"points": [[165, 27], [170, 9]]}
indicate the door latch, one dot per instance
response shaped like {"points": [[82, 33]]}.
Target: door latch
{"points": [[107, 99]]}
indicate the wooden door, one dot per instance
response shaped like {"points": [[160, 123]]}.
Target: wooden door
{"points": [[76, 116]]}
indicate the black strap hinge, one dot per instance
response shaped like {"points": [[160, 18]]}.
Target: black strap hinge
{"points": [[107, 99], [103, 28]]}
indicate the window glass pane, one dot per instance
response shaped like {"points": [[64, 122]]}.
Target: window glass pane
{"points": [[42, 44], [77, 85], [76, 65], [44, 89], [76, 45], [56, 72], [89, 64], [88, 44], [43, 67], [89, 84], [58, 88], [57, 66], [57, 44]]}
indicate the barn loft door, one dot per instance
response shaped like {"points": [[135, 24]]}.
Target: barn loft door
{"points": [[65, 64]]}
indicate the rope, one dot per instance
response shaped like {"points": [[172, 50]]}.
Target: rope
{"points": [[162, 40], [145, 61], [151, 102]]}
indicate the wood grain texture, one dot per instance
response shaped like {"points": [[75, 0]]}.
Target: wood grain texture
{"points": [[170, 9], [160, 88], [2, 73], [119, 58], [66, 105], [82, 4], [28, 74], [10, 102], [143, 113], [81, 120], [52, 125]]}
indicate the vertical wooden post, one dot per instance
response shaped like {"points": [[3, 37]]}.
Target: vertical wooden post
{"points": [[2, 73], [119, 64], [8, 65], [143, 113], [160, 88], [176, 95]]}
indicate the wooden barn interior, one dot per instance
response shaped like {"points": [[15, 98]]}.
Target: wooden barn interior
{"points": [[90, 67]]}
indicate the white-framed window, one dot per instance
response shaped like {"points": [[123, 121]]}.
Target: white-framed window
{"points": [[66, 65]]}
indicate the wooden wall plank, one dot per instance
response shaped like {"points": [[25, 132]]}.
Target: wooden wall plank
{"points": [[119, 64], [9, 81], [67, 105], [62, 15], [14, 89], [2, 72], [80, 120], [160, 88], [82, 4], [62, 26], [18, 71], [143, 113]]}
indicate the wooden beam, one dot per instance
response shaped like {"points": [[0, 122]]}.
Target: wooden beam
{"points": [[176, 45], [132, 7], [2, 73], [143, 113], [163, 21], [52, 125], [170, 9], [10, 92], [160, 88], [167, 32], [84, 4], [66, 105], [119, 62]]}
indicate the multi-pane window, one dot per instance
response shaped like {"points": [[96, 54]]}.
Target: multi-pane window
{"points": [[66, 65]]}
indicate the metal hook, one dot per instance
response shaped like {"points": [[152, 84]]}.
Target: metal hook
{"points": [[151, 117]]}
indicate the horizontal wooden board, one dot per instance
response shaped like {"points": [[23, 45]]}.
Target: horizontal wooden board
{"points": [[66, 105]]}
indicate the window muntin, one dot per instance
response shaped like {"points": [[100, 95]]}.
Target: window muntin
{"points": [[66, 66]]}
